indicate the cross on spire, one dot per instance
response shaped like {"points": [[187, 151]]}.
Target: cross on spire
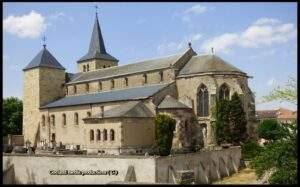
{"points": [[44, 41], [96, 10], [212, 50]]}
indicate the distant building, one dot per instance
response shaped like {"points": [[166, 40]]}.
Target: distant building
{"points": [[282, 115]]}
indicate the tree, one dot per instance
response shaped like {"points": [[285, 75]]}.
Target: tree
{"points": [[164, 127], [221, 125], [270, 129], [12, 116], [289, 93], [238, 122]]}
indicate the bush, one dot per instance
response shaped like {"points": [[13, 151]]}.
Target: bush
{"points": [[164, 127], [221, 125], [270, 130], [250, 149]]}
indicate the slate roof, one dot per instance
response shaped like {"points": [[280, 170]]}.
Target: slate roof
{"points": [[170, 102], [281, 113], [97, 48], [207, 63], [133, 109], [136, 93], [158, 63], [44, 59]]}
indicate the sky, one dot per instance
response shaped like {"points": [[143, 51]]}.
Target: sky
{"points": [[258, 38]]}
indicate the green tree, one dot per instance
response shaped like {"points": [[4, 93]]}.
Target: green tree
{"points": [[270, 129], [238, 122], [12, 116], [288, 93], [164, 127], [221, 124]]}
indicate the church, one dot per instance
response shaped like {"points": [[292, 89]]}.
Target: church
{"points": [[110, 108]]}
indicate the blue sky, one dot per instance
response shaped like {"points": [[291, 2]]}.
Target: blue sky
{"points": [[258, 38]]}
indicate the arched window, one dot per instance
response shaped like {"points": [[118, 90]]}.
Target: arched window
{"points": [[76, 118], [53, 120], [88, 114], [202, 101], [84, 68], [43, 120], [75, 89], [99, 85], [126, 81], [64, 119], [112, 84], [87, 87], [91, 135], [104, 134], [98, 135], [104, 66], [224, 92], [161, 75], [87, 67], [145, 78], [112, 135]]}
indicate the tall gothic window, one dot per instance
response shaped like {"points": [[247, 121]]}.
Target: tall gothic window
{"points": [[87, 67], [126, 81], [145, 78], [224, 92], [84, 68], [202, 101]]}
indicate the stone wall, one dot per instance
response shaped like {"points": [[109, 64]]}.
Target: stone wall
{"points": [[96, 64], [207, 166]]}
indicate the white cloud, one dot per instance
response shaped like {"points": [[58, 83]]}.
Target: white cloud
{"points": [[263, 21], [271, 82], [196, 9], [173, 47], [60, 16], [30, 25], [263, 32]]}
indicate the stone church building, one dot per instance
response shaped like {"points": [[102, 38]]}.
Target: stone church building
{"points": [[109, 108]]}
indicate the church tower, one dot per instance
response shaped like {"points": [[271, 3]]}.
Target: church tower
{"points": [[44, 78], [97, 57]]}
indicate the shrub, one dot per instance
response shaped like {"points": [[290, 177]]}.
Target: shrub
{"points": [[270, 130], [221, 125], [164, 127], [250, 149], [238, 122]]}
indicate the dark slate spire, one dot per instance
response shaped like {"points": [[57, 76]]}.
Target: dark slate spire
{"points": [[97, 47], [44, 59]]}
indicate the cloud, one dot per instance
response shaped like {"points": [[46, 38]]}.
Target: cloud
{"points": [[263, 32], [60, 16], [271, 82], [30, 25], [196, 9], [173, 47]]}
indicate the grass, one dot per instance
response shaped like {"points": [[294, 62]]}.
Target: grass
{"points": [[245, 176]]}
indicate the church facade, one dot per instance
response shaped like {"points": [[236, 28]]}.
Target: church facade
{"points": [[109, 108]]}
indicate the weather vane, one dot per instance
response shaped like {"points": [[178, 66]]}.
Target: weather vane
{"points": [[96, 9], [212, 50], [44, 41]]}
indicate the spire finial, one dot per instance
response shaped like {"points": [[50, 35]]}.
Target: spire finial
{"points": [[212, 50], [190, 45], [44, 41], [96, 9]]}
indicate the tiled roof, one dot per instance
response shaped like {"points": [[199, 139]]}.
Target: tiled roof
{"points": [[136, 109], [152, 64], [281, 113], [207, 63], [266, 114], [170, 102], [97, 47], [135, 93], [44, 59]]}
